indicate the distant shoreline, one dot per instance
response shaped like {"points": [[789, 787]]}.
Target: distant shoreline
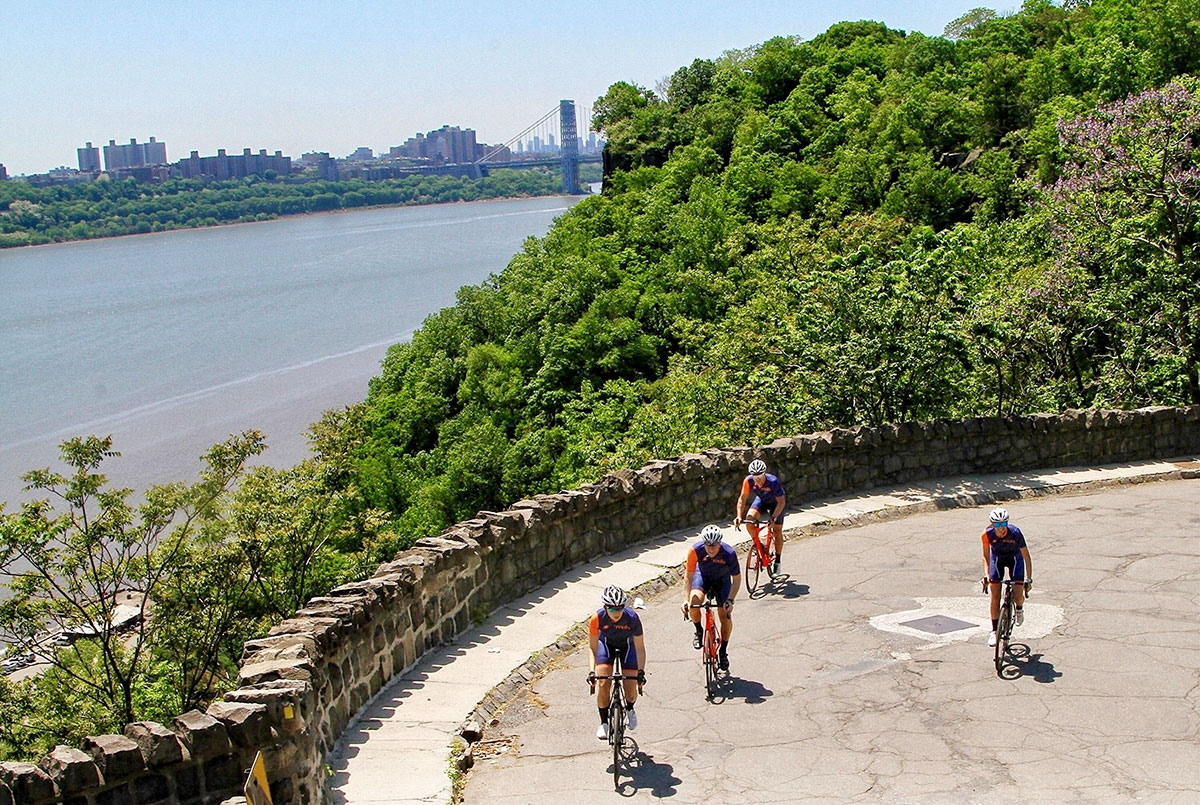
{"points": [[306, 214]]}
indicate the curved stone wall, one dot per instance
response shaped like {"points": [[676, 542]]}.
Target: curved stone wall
{"points": [[301, 685]]}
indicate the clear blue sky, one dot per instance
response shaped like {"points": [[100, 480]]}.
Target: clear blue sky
{"points": [[329, 76]]}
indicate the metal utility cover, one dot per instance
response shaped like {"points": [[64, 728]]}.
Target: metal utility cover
{"points": [[938, 624]]}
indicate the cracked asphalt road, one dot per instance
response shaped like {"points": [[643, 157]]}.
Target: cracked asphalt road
{"points": [[823, 704]]}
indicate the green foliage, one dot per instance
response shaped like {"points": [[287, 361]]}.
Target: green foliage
{"points": [[30, 215]]}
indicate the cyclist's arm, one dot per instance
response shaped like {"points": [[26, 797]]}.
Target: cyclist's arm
{"points": [[689, 571], [639, 643], [987, 554], [593, 641], [741, 501], [1028, 563], [735, 585], [780, 505]]}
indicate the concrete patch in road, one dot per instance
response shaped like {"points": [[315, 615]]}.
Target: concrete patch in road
{"points": [[937, 614]]}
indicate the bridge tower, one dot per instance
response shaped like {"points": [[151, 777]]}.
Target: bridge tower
{"points": [[570, 148]]}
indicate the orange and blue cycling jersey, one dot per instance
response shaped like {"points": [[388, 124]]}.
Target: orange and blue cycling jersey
{"points": [[764, 496], [616, 637], [713, 574], [1005, 552]]}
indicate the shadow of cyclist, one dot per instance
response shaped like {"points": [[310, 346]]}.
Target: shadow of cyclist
{"points": [[1026, 664], [644, 773], [749, 690]]}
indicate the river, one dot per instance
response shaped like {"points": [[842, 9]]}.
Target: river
{"points": [[172, 341]]}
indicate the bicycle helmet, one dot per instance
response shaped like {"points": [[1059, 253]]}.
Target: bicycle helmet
{"points": [[613, 596], [711, 535], [758, 466], [999, 516]]}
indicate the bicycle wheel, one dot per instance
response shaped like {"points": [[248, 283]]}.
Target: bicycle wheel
{"points": [[616, 734], [769, 550], [753, 568], [1003, 629], [710, 664]]}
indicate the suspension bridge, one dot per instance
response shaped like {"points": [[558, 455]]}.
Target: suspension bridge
{"points": [[550, 141]]}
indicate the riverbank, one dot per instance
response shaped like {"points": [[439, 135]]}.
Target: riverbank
{"points": [[32, 216]]}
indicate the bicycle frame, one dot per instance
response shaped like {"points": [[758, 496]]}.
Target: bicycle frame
{"points": [[759, 555], [709, 647], [1005, 623]]}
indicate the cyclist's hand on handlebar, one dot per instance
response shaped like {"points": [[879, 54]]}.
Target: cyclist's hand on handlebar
{"points": [[641, 677], [1028, 586], [737, 523], [728, 604], [984, 583]]}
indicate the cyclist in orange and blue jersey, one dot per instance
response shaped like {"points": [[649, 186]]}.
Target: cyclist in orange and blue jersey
{"points": [[616, 630], [1004, 547], [767, 500], [712, 571]]}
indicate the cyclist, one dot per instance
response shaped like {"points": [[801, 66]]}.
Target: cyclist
{"points": [[1004, 547], [767, 498], [616, 630], [712, 571]]}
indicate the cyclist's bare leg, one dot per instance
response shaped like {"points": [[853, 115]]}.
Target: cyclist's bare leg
{"points": [[1019, 594], [777, 539], [630, 686], [603, 686], [753, 528], [995, 588], [696, 600], [726, 624]]}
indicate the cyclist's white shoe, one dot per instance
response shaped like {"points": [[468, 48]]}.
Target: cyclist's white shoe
{"points": [[992, 639], [631, 719], [1020, 616], [602, 732], [775, 566]]}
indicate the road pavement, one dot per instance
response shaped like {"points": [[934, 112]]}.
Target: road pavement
{"points": [[836, 695]]}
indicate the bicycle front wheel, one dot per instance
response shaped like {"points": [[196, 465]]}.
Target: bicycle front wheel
{"points": [[753, 568], [1003, 629], [616, 735], [710, 664]]}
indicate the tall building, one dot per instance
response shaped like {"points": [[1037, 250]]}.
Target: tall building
{"points": [[134, 155], [3, 172], [362, 153], [89, 158], [225, 166]]}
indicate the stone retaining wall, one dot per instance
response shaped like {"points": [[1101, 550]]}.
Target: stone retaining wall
{"points": [[301, 685]]}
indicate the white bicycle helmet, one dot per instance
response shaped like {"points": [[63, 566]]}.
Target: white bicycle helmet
{"points": [[758, 466], [613, 596], [711, 535], [999, 516]]}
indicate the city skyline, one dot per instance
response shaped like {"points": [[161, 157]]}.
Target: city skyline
{"points": [[303, 76]]}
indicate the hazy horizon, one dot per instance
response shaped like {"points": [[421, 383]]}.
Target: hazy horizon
{"points": [[303, 76]]}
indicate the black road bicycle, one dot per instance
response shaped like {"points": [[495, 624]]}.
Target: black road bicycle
{"points": [[616, 711]]}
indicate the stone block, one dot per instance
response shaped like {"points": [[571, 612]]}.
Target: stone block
{"points": [[6, 795], [223, 775], [159, 745], [202, 735], [28, 783], [120, 795], [299, 669], [72, 770], [117, 756], [246, 724], [150, 789], [187, 785]]}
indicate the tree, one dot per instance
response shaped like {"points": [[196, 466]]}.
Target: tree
{"points": [[962, 27], [1127, 208], [71, 567]]}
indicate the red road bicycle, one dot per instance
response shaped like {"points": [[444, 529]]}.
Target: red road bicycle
{"points": [[760, 556], [710, 646], [1004, 625]]}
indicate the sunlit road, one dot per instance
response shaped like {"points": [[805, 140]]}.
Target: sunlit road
{"points": [[832, 697]]}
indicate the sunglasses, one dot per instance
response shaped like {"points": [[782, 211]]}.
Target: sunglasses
{"points": [[614, 609]]}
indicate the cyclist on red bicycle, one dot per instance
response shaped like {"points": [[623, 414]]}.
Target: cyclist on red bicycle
{"points": [[616, 630], [712, 571], [1004, 547], [768, 501]]}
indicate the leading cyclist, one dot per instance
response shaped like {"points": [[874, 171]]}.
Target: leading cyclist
{"points": [[712, 571], [1004, 547], [616, 630], [767, 500]]}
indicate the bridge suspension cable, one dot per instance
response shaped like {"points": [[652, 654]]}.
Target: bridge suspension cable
{"points": [[544, 118]]}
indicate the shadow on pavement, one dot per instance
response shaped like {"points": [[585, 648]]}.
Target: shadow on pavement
{"points": [[1023, 663], [749, 690], [644, 773]]}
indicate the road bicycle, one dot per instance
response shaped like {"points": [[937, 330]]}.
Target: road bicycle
{"points": [[1004, 625], [616, 710], [760, 556], [710, 646]]}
